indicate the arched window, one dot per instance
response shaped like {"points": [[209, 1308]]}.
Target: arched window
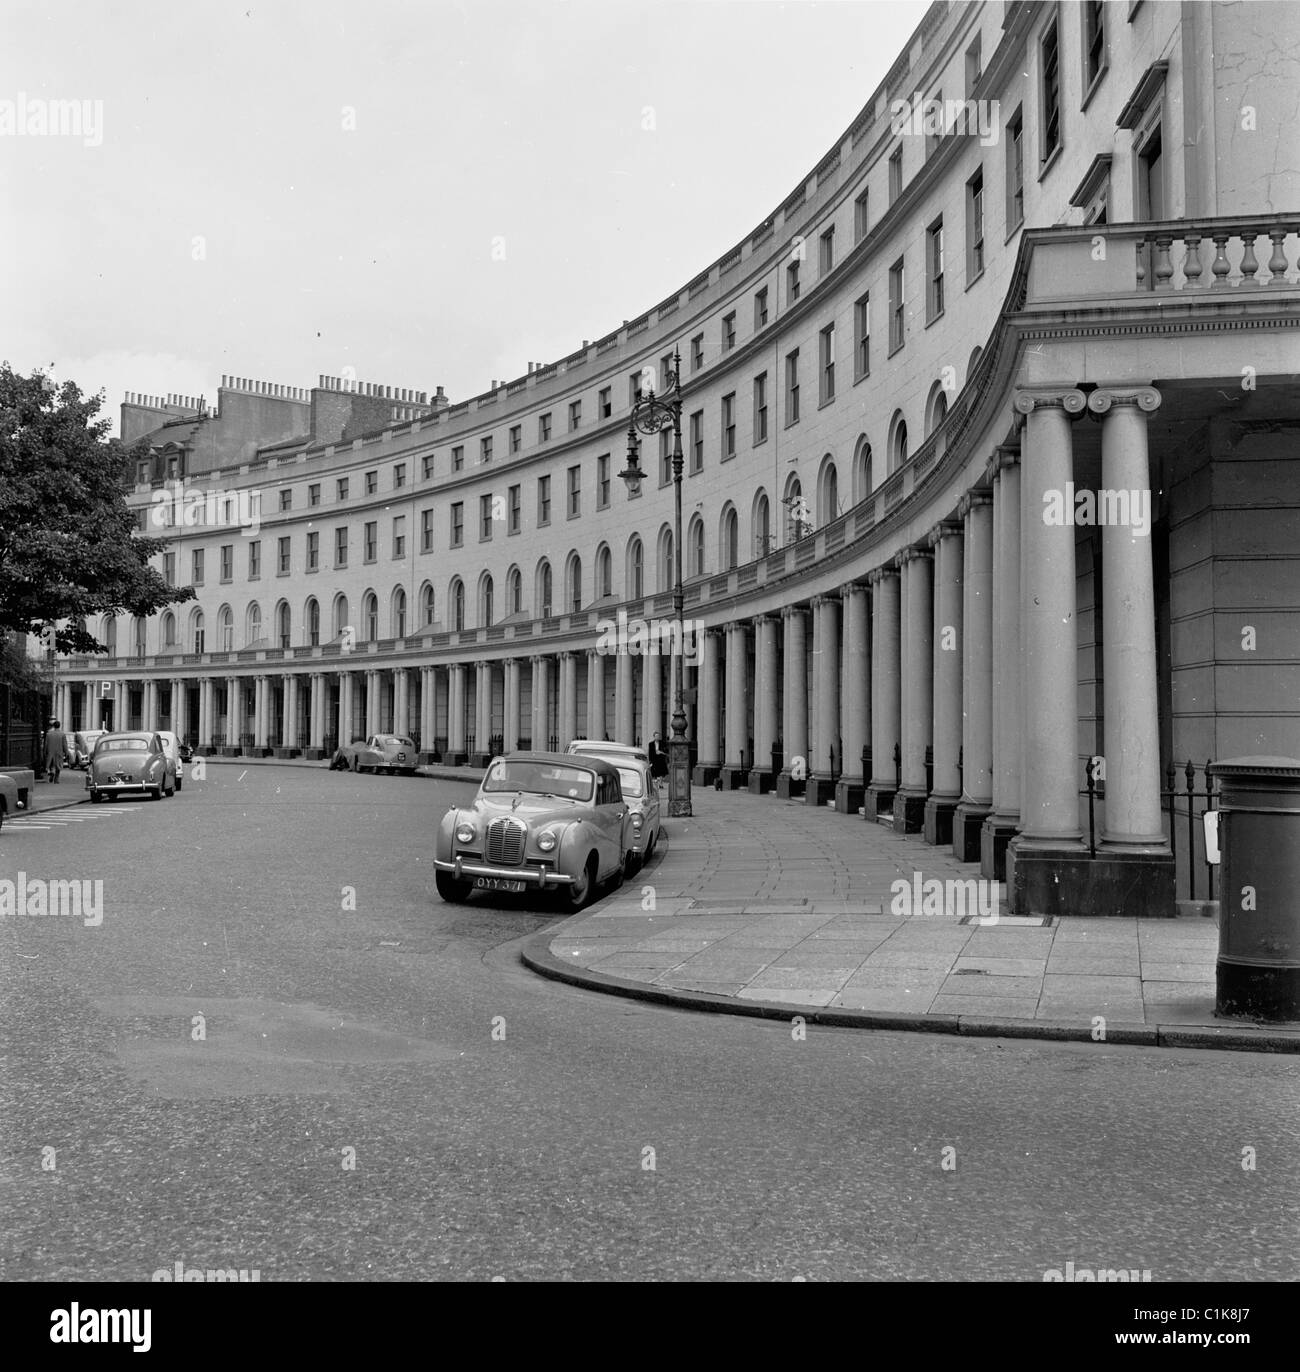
{"points": [[399, 613], [282, 624], [458, 605], [635, 568], [798, 517], [897, 441], [426, 605], [729, 539], [197, 636], [542, 590], [667, 567], [762, 524], [253, 623], [604, 571], [169, 630], [340, 615], [862, 474], [138, 636], [573, 584], [696, 545], [828, 491], [225, 630], [109, 634], [313, 622], [485, 606], [370, 616], [514, 592]]}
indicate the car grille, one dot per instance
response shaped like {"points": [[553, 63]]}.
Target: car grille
{"points": [[505, 842]]}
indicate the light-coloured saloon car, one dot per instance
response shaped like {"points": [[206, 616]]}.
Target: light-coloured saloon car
{"points": [[645, 807], [379, 753], [540, 822], [130, 763]]}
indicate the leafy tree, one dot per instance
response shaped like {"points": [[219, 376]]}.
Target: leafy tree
{"points": [[69, 546]]}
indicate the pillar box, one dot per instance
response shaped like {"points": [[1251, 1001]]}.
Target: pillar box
{"points": [[1258, 972]]}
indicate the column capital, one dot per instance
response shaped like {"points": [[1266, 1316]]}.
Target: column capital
{"points": [[972, 500], [567, 656], [852, 588], [1068, 398], [827, 598], [535, 658], [1146, 398], [759, 620], [878, 574], [1004, 455], [946, 528], [790, 611], [913, 554]]}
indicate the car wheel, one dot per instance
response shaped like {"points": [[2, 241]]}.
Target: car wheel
{"points": [[650, 847], [577, 895], [449, 888], [179, 783], [631, 864], [356, 765], [95, 797], [156, 793]]}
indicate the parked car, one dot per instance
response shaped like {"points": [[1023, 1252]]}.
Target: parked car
{"points": [[541, 821], [10, 804], [645, 808], [82, 744], [612, 752], [379, 753], [175, 758], [130, 763]]}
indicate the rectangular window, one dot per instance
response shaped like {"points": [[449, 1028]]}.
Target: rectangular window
{"points": [[760, 408], [1094, 44], [697, 441], [728, 331], [826, 251], [485, 518], [516, 437], [861, 216], [862, 337], [399, 536], [544, 428], [372, 482], [1050, 95], [634, 388], [665, 370], [458, 458], [729, 426], [792, 387], [313, 494], [426, 531], [485, 448], [255, 559], [341, 488], [543, 501], [792, 283], [760, 309], [575, 492], [169, 568], [282, 558], [895, 174], [575, 415], [227, 561], [457, 524], [933, 140], [286, 499], [827, 361], [370, 541], [1016, 171], [196, 566], [897, 302], [934, 270], [973, 68], [399, 475], [426, 466], [665, 458], [341, 547], [606, 402], [975, 226], [697, 352], [602, 482], [313, 550], [515, 506]]}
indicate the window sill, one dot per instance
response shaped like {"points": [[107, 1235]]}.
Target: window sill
{"points": [[1051, 160], [933, 319], [727, 457], [979, 276], [1014, 229], [861, 376], [897, 348], [822, 404], [1096, 81], [759, 442]]}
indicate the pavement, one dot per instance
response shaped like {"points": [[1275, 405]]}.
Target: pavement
{"points": [[764, 907]]}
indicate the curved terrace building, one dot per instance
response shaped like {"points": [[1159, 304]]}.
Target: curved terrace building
{"points": [[990, 470]]}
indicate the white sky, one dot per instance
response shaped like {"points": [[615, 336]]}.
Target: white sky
{"points": [[372, 248]]}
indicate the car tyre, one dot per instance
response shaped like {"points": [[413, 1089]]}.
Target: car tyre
{"points": [[356, 765], [156, 793], [577, 895], [95, 798], [452, 889]]}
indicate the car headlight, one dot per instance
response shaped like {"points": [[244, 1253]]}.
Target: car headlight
{"points": [[637, 820], [546, 841], [464, 833]]}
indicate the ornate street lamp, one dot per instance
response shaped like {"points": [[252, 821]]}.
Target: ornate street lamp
{"points": [[651, 416]]}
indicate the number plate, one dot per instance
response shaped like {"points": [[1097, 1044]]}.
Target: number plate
{"points": [[499, 884]]}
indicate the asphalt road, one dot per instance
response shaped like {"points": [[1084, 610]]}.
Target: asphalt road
{"points": [[383, 1092]]}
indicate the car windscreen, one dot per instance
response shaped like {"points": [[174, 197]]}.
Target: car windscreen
{"points": [[540, 778], [631, 779], [122, 745], [395, 742]]}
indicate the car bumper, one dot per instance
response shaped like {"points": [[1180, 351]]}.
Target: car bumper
{"points": [[123, 787], [462, 868]]}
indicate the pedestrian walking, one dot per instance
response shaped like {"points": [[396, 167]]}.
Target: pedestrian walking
{"points": [[56, 750]]}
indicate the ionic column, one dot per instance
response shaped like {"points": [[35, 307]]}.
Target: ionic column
{"points": [[977, 678], [826, 697], [234, 713], [917, 618], [150, 705], [595, 694], [568, 699], [345, 709], [541, 712], [316, 715], [176, 714], [793, 777], [652, 694], [1133, 833], [886, 688], [1004, 820], [510, 720], [766, 690], [482, 714], [624, 698], [948, 696], [456, 709], [735, 772], [855, 700], [289, 724], [708, 759], [1039, 874], [205, 712]]}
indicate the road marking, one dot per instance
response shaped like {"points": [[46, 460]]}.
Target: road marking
{"points": [[243, 774]]}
